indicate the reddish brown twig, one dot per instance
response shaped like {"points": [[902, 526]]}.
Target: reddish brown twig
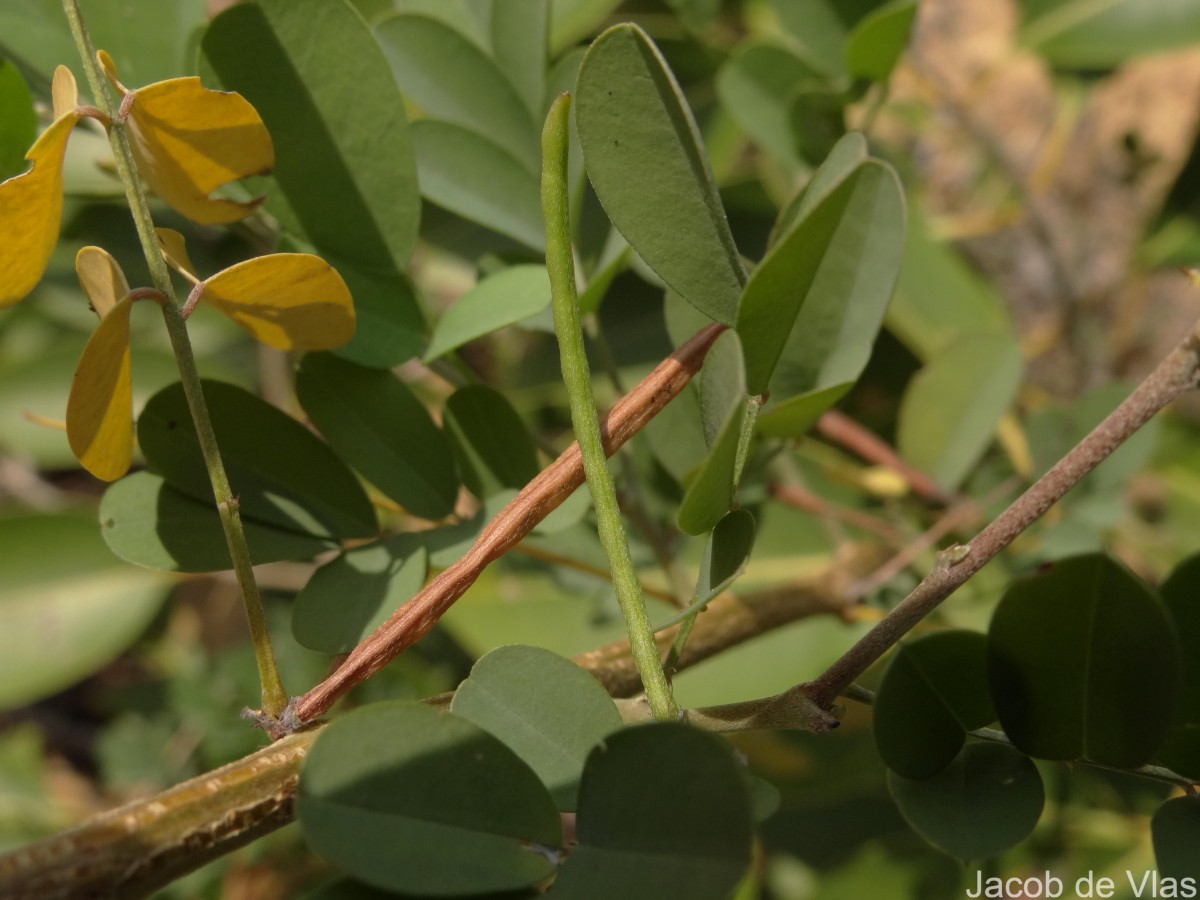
{"points": [[535, 501], [806, 500], [843, 430]]}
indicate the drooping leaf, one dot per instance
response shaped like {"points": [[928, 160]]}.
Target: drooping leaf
{"points": [[726, 554], [1180, 592], [548, 710], [61, 622], [188, 141], [949, 413], [493, 447], [452, 80], [412, 800], [935, 690], [292, 301], [174, 250], [346, 134], [646, 831], [1175, 829], [349, 597], [30, 212], [149, 523], [811, 310], [101, 278], [647, 164], [876, 42], [1103, 692], [1076, 34], [469, 174], [18, 122], [282, 474], [987, 800], [505, 298], [100, 407], [380, 428], [723, 407]]}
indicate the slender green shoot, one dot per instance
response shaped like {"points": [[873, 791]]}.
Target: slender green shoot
{"points": [[583, 410], [274, 698]]}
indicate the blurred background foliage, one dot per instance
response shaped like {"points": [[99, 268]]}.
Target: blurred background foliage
{"points": [[1049, 154]]}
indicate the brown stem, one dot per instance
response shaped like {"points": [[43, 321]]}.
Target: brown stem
{"points": [[806, 500], [136, 849], [1172, 377], [841, 429], [535, 501]]}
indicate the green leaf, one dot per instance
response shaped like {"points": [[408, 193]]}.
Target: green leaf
{"points": [[723, 408], [349, 597], [796, 415], [409, 799], [452, 80], [454, 13], [987, 800], [281, 473], [573, 20], [726, 554], [821, 27], [939, 298], [159, 47], [379, 427], [550, 712], [1181, 751], [149, 523], [935, 690], [949, 412], [756, 87], [1084, 34], [811, 310], [817, 119], [1084, 663], [391, 328], [18, 122], [519, 38], [876, 42], [346, 134], [651, 825], [647, 164], [469, 174], [1175, 830], [505, 298], [64, 616], [843, 158], [492, 446]]}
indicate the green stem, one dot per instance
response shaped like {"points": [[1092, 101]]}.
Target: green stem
{"points": [[561, 267], [274, 698]]}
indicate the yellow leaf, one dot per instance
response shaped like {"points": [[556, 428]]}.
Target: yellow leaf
{"points": [[101, 277], [293, 301], [188, 141], [64, 92], [30, 212], [174, 251], [100, 407]]}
